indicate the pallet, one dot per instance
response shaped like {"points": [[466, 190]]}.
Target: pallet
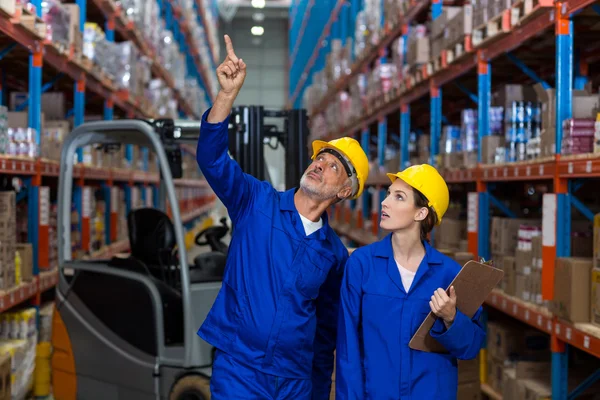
{"points": [[494, 29], [523, 10], [459, 49]]}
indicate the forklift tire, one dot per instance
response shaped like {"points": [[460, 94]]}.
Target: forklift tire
{"points": [[191, 387]]}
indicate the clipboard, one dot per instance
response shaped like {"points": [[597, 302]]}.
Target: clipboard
{"points": [[473, 284]]}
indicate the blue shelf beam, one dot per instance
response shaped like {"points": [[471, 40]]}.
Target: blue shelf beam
{"points": [[484, 90], [436, 123], [5, 51], [585, 385], [499, 205], [466, 91], [527, 71], [404, 136]]}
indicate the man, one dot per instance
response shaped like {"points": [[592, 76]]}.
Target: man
{"points": [[273, 322]]}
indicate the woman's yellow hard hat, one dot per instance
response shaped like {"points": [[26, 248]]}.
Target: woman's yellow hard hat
{"points": [[427, 180], [350, 149]]}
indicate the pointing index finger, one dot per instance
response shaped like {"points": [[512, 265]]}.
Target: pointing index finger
{"points": [[229, 47]]}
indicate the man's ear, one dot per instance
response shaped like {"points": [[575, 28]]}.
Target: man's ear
{"points": [[422, 214], [344, 193]]}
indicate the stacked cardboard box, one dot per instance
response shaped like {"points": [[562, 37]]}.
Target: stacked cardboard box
{"points": [[449, 234], [438, 30], [509, 343], [418, 46], [8, 230], [469, 384], [527, 380], [458, 26], [572, 289]]}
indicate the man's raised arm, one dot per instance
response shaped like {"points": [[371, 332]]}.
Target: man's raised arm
{"points": [[233, 187]]}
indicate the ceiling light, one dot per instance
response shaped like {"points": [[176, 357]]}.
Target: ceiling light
{"points": [[258, 17], [258, 3], [257, 30]]}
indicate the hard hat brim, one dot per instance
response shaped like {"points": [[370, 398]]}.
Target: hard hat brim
{"points": [[412, 184]]}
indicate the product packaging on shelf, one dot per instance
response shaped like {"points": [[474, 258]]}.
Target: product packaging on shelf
{"points": [[57, 19], [418, 46], [578, 136], [572, 289], [8, 229], [458, 27]]}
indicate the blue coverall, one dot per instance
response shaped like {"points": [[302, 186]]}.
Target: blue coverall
{"points": [[274, 320], [378, 319]]}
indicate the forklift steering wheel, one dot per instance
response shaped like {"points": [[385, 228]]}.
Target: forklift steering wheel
{"points": [[215, 231]]}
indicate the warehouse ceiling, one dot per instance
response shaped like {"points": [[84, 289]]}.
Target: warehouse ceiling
{"points": [[266, 9]]}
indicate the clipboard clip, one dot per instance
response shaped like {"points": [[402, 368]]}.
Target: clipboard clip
{"points": [[488, 262]]}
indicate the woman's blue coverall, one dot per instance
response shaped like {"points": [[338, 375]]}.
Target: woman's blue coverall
{"points": [[378, 319], [274, 320]]}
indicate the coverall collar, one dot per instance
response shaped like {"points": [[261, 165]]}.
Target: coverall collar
{"points": [[287, 204], [383, 249]]}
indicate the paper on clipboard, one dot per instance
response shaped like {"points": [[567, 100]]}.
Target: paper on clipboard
{"points": [[473, 284]]}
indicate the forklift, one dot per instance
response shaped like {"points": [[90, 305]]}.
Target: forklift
{"points": [[125, 328]]}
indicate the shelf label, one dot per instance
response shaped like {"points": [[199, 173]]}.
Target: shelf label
{"points": [[586, 342], [504, 304], [3, 164], [539, 320], [549, 326], [549, 220], [528, 171], [541, 170], [568, 333], [44, 206], [526, 315], [570, 168], [2, 302], [505, 172], [588, 167], [515, 309], [14, 166], [12, 298], [516, 171], [149, 196], [472, 209], [494, 300], [557, 329]]}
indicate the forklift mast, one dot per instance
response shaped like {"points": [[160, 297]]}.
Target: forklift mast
{"points": [[248, 134]]}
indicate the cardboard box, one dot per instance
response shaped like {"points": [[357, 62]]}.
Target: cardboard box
{"points": [[509, 280], [468, 371], [439, 24], [537, 389], [496, 374], [595, 297], [572, 289], [536, 253], [505, 234], [450, 233], [418, 51], [506, 95], [469, 391], [489, 144], [459, 26], [522, 288], [523, 261]]}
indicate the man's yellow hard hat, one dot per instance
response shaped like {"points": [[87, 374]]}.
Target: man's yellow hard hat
{"points": [[351, 152], [427, 180]]}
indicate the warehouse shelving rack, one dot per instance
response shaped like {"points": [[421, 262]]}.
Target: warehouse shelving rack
{"points": [[559, 170], [22, 46]]}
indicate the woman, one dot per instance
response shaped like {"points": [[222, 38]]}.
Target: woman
{"points": [[388, 289]]}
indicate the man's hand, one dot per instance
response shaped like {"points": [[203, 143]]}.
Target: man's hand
{"points": [[444, 306], [232, 72]]}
